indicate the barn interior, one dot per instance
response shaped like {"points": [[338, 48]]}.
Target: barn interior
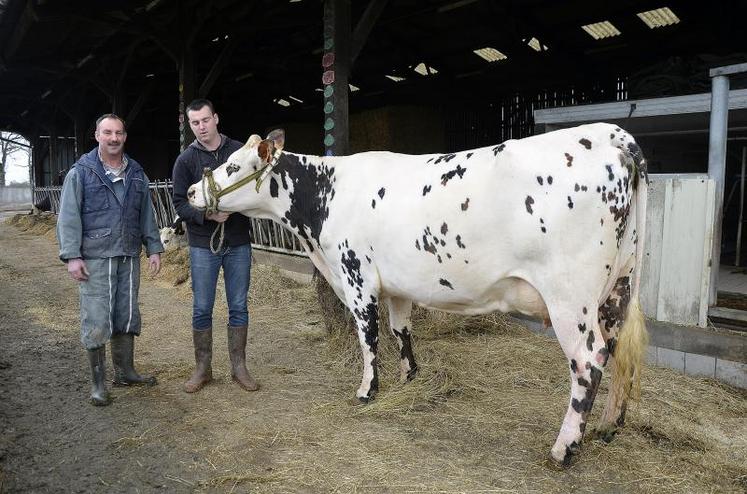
{"points": [[424, 75]]}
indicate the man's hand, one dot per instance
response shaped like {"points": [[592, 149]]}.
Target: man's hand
{"points": [[219, 216], [77, 269], [154, 264]]}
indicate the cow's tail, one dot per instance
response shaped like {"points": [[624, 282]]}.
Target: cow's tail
{"points": [[632, 340]]}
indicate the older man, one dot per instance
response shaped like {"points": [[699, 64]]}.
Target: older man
{"points": [[105, 219]]}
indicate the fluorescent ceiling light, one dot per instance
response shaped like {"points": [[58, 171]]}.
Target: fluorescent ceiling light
{"points": [[295, 99], [422, 70], [353, 88], [601, 30], [659, 17], [535, 44], [281, 102], [395, 78], [490, 54]]}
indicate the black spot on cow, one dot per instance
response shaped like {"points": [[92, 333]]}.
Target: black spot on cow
{"points": [[549, 180], [368, 259], [429, 247], [445, 283], [310, 197], [439, 259], [498, 149], [373, 203], [540, 180], [611, 343], [448, 255], [232, 168], [445, 158], [465, 205], [585, 143], [528, 203], [601, 221], [352, 267], [417, 244], [570, 203], [284, 220], [458, 171], [273, 187], [582, 327], [426, 189], [576, 188], [605, 354], [443, 244], [544, 230], [568, 157], [610, 175], [584, 405], [459, 242], [444, 229], [469, 155], [584, 310], [382, 191], [590, 341], [284, 182], [574, 365]]}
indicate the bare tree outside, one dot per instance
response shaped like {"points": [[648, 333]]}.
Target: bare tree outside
{"points": [[11, 144]]}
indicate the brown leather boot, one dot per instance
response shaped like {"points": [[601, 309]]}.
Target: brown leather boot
{"points": [[237, 352], [203, 374]]}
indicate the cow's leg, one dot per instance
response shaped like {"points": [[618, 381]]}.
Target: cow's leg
{"points": [[581, 339], [361, 290], [611, 318], [367, 321], [400, 323]]}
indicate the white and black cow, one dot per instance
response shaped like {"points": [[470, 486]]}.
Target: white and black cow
{"points": [[174, 236], [547, 226]]}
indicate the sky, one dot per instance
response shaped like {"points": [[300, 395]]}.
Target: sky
{"points": [[16, 171]]}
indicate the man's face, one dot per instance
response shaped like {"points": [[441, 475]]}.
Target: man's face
{"points": [[204, 124], [111, 136]]}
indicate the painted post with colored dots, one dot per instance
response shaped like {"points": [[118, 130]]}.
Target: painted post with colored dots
{"points": [[336, 69]]}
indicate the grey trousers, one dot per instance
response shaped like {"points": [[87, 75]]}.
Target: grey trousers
{"points": [[108, 300]]}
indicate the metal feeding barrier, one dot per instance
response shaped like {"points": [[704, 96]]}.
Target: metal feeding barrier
{"points": [[266, 234]]}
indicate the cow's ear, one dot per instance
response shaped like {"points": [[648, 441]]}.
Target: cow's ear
{"points": [[265, 150], [277, 137], [253, 140]]}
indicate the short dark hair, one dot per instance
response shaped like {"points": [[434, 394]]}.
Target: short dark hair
{"points": [[198, 104], [112, 116]]}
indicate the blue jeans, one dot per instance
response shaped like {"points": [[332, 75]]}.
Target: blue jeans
{"points": [[204, 268]]}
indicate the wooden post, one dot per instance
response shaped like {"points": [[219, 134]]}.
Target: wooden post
{"points": [[186, 95], [336, 70]]}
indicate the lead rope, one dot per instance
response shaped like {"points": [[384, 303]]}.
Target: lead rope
{"points": [[212, 207], [222, 228]]}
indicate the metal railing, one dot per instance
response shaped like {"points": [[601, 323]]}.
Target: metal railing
{"points": [[266, 234]]}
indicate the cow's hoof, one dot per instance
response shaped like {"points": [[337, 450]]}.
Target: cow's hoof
{"points": [[409, 375], [605, 433], [365, 399], [564, 459]]}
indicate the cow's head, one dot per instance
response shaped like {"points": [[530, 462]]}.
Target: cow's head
{"points": [[237, 185]]}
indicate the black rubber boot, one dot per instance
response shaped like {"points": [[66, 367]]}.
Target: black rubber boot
{"points": [[237, 352], [99, 393], [203, 374], [123, 353]]}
